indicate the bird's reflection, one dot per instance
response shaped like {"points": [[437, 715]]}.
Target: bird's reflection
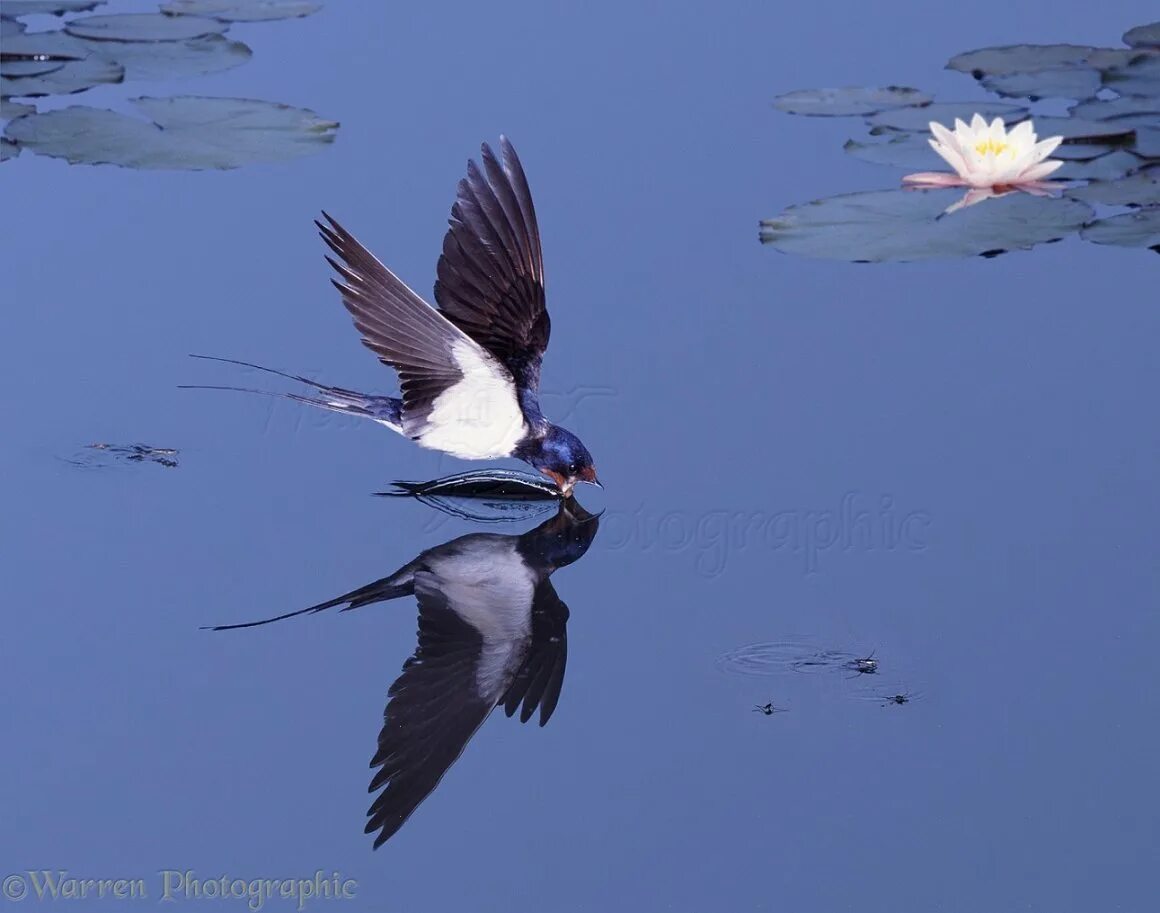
{"points": [[492, 632]]}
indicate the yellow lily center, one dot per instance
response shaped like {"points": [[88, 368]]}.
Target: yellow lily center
{"points": [[992, 147]]}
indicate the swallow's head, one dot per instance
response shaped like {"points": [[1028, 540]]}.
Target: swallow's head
{"points": [[563, 458]]}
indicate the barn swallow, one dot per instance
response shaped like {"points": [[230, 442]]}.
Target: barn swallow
{"points": [[469, 369], [492, 632]]}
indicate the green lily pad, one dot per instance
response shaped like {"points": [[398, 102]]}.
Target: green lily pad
{"points": [[1143, 36], [241, 10], [187, 133], [849, 101], [8, 149], [1074, 129], [67, 76], [1139, 189], [15, 8], [1129, 229], [144, 27], [10, 110], [919, 119], [1056, 82], [904, 225]]}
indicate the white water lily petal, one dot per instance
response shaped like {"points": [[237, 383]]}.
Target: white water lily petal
{"points": [[987, 155], [951, 156], [1046, 147], [1041, 170]]}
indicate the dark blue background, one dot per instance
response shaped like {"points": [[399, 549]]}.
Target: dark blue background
{"points": [[1009, 402]]}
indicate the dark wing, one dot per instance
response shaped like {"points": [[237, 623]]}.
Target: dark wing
{"points": [[401, 328], [541, 677], [491, 273], [433, 710]]}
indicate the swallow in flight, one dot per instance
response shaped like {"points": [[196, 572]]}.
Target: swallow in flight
{"points": [[492, 632], [469, 369]]}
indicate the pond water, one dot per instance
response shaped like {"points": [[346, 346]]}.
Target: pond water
{"points": [[827, 485]]}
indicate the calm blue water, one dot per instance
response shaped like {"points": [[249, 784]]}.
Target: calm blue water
{"points": [[993, 420]]}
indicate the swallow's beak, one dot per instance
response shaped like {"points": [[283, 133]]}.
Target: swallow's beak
{"points": [[589, 475]]}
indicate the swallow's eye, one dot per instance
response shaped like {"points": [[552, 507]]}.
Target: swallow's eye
{"points": [[573, 468]]}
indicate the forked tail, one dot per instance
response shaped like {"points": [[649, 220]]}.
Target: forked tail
{"points": [[386, 410]]}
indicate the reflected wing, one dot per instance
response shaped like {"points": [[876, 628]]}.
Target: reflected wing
{"points": [[456, 396], [541, 677], [435, 706], [491, 274]]}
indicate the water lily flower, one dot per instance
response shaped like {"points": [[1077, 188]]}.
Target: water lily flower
{"points": [[989, 159]]}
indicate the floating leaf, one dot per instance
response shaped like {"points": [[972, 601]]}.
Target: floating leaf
{"points": [[150, 60], [1139, 108], [241, 10], [10, 27], [1142, 77], [188, 133], [1143, 36], [10, 110], [1056, 82], [1139, 189], [946, 112], [1032, 58], [1130, 229], [906, 150], [144, 27], [903, 225], [1110, 167], [15, 8], [849, 101], [8, 149], [73, 71], [22, 69]]}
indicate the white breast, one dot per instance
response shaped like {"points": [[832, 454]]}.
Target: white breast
{"points": [[478, 418]]}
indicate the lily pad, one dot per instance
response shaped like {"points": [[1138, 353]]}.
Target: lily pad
{"points": [[187, 133], [1129, 229], [1142, 77], [849, 101], [906, 150], [152, 60], [15, 8], [904, 225], [10, 27], [1143, 36], [10, 110], [241, 10], [1110, 167], [1139, 189], [1057, 82], [144, 27], [8, 149], [71, 72], [22, 69], [1126, 106], [919, 119], [1032, 58]]}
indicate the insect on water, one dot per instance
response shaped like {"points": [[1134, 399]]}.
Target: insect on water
{"points": [[865, 665], [768, 709]]}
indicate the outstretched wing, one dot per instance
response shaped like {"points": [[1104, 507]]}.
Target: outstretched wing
{"points": [[457, 397], [540, 678], [491, 273], [461, 669]]}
